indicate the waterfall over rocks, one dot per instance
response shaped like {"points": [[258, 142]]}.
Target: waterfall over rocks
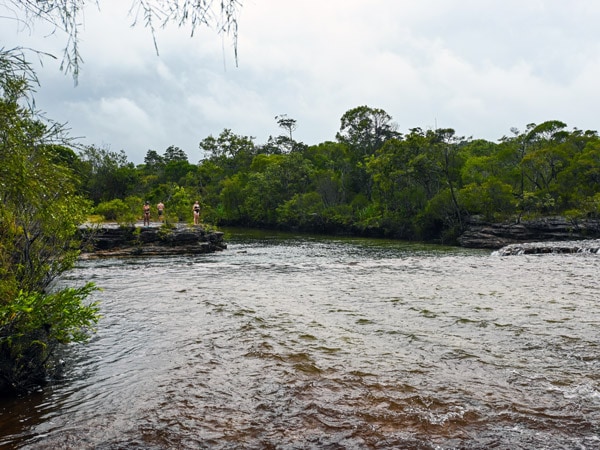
{"points": [[531, 248]]}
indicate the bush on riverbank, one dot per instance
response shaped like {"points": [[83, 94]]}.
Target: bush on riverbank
{"points": [[32, 326], [39, 216]]}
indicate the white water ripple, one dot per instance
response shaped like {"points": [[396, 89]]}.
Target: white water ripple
{"points": [[307, 342]]}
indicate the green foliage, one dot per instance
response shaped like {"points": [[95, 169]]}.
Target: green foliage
{"points": [[40, 211], [230, 152], [492, 199], [366, 129], [591, 206], [107, 175], [338, 219], [174, 154], [131, 212], [33, 324], [302, 210], [113, 209], [233, 199], [373, 180], [180, 204], [536, 203], [580, 179], [60, 314], [421, 185], [438, 220], [180, 172], [125, 212]]}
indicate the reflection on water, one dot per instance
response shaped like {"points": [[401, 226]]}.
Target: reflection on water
{"points": [[296, 342]]}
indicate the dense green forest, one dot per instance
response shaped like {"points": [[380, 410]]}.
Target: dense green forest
{"points": [[371, 180]]}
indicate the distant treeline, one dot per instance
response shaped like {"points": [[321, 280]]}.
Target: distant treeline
{"points": [[372, 180]]}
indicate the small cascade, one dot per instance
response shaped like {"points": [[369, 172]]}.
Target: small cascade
{"points": [[532, 248]]}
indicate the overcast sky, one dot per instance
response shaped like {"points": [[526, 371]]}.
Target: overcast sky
{"points": [[480, 67]]}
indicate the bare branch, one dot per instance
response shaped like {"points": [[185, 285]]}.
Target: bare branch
{"points": [[67, 16]]}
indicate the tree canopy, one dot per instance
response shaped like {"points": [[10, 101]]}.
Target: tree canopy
{"points": [[374, 180]]}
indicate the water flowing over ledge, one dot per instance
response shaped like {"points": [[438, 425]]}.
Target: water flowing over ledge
{"points": [[113, 240], [531, 248]]}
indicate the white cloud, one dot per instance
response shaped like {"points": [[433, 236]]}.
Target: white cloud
{"points": [[478, 66]]}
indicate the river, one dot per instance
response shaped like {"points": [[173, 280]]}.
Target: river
{"points": [[290, 341]]}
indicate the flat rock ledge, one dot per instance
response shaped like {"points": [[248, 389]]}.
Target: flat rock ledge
{"points": [[480, 234], [113, 240]]}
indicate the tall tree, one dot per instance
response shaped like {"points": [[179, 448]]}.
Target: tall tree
{"points": [[230, 151], [289, 125], [153, 160], [365, 129], [173, 153], [107, 174], [450, 165]]}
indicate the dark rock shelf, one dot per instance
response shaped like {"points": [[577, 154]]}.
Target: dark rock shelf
{"points": [[480, 234], [113, 240]]}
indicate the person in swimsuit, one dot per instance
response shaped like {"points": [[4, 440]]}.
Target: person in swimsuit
{"points": [[161, 209], [196, 209], [147, 214]]}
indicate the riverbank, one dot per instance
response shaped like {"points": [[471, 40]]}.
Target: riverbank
{"points": [[111, 239], [114, 240], [481, 234]]}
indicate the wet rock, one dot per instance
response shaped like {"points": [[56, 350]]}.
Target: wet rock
{"points": [[123, 241], [481, 234], [534, 248]]}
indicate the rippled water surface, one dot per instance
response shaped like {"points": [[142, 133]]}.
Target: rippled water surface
{"points": [[294, 342]]}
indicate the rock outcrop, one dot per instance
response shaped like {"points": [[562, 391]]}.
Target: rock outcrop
{"points": [[128, 241], [480, 234]]}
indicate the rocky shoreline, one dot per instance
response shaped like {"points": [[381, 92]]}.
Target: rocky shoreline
{"points": [[481, 234], [113, 240], [542, 235]]}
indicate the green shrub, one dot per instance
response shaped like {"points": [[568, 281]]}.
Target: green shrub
{"points": [[493, 199], [31, 328], [302, 210], [40, 212], [113, 209]]}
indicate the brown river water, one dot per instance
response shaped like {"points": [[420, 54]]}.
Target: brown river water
{"points": [[307, 342]]}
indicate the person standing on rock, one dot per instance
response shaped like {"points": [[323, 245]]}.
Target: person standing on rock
{"points": [[196, 210], [147, 214], [161, 209]]}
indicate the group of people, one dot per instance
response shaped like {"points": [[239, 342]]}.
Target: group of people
{"points": [[146, 212], [160, 208]]}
